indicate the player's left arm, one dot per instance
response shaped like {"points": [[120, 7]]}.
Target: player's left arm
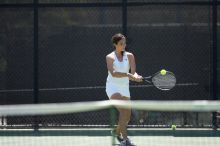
{"points": [[132, 63]]}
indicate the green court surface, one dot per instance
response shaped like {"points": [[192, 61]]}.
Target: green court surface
{"points": [[102, 137]]}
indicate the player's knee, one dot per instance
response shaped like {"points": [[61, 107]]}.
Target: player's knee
{"points": [[116, 96]]}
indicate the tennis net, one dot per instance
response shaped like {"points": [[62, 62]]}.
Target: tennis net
{"points": [[153, 123]]}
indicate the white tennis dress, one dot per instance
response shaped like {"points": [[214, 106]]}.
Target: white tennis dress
{"points": [[119, 85]]}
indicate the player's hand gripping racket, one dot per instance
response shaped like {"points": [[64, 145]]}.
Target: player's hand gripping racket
{"points": [[163, 80]]}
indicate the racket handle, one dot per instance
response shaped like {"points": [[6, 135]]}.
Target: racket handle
{"points": [[147, 77], [146, 81]]}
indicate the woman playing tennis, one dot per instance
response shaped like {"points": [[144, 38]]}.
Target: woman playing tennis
{"points": [[119, 63]]}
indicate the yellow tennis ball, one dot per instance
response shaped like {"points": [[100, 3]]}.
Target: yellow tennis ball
{"points": [[173, 127], [163, 72]]}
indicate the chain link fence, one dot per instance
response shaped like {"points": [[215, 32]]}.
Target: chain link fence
{"points": [[74, 38]]}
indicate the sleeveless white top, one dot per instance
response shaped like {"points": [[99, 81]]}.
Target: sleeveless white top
{"points": [[120, 66]]}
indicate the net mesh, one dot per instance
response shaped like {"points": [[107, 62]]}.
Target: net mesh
{"points": [[43, 125]]}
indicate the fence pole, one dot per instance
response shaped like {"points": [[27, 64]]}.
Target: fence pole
{"points": [[35, 60], [124, 17], [214, 60]]}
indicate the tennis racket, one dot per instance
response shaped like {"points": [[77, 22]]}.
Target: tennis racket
{"points": [[161, 81]]}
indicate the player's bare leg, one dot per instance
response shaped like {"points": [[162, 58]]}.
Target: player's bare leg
{"points": [[124, 118]]}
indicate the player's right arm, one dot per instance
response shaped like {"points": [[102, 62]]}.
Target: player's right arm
{"points": [[109, 61]]}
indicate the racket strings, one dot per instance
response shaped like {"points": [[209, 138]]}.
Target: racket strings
{"points": [[164, 82]]}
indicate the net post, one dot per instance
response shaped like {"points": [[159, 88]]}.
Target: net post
{"points": [[112, 123]]}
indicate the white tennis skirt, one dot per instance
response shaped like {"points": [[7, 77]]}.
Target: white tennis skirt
{"points": [[114, 88]]}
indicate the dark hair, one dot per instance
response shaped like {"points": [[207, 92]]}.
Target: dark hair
{"points": [[116, 38]]}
